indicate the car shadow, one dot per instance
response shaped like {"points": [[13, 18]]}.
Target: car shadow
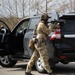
{"points": [[57, 70], [64, 69]]}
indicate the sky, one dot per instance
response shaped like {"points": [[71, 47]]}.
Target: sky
{"points": [[5, 9], [0, 3]]}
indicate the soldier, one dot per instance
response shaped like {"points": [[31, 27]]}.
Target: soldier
{"points": [[42, 32]]}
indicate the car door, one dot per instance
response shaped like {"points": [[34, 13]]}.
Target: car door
{"points": [[4, 33], [18, 34]]}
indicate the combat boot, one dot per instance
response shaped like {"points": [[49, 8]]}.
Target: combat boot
{"points": [[28, 73]]}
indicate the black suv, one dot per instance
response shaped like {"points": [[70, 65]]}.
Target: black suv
{"points": [[14, 43]]}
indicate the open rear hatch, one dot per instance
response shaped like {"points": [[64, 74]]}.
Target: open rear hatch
{"points": [[68, 30]]}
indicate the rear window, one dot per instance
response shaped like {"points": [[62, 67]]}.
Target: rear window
{"points": [[68, 27]]}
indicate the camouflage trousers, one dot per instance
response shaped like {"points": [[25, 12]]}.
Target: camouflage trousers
{"points": [[42, 53]]}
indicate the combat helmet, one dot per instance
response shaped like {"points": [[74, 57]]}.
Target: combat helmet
{"points": [[45, 16]]}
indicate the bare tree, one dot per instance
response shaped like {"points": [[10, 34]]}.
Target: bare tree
{"points": [[74, 5], [22, 8], [35, 6], [8, 12]]}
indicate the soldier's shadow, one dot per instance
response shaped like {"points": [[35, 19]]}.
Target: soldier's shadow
{"points": [[21, 67]]}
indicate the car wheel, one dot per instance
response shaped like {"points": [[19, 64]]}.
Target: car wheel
{"points": [[39, 66], [6, 61]]}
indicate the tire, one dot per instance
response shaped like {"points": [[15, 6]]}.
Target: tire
{"points": [[39, 66], [6, 61]]}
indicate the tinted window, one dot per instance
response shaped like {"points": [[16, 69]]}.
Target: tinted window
{"points": [[34, 21], [68, 27], [23, 25]]}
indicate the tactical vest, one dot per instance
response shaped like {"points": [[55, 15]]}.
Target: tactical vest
{"points": [[40, 33]]}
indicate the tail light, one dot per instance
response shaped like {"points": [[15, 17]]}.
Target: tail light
{"points": [[62, 57], [56, 34]]}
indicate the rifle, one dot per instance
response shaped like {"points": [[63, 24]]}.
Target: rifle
{"points": [[57, 21]]}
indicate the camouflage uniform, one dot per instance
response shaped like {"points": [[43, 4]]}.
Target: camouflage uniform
{"points": [[40, 47]]}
